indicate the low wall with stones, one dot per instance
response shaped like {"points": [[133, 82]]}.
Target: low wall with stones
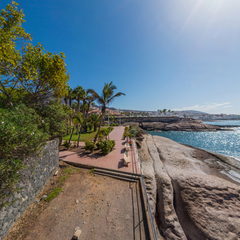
{"points": [[33, 177], [122, 120]]}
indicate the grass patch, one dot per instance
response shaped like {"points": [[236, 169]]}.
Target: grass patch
{"points": [[91, 171], [58, 185], [66, 173], [54, 193], [84, 137]]}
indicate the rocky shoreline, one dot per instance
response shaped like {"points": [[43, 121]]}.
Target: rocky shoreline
{"points": [[181, 125], [192, 192]]}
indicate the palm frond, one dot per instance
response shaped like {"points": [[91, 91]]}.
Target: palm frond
{"points": [[118, 94], [94, 93]]}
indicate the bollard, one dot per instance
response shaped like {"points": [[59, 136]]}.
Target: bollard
{"points": [[76, 235]]}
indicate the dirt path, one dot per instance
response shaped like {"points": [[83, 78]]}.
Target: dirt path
{"points": [[102, 207]]}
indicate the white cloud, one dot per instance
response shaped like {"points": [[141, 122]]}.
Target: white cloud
{"points": [[209, 108]]}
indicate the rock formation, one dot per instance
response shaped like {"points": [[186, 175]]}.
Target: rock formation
{"points": [[190, 191], [181, 125]]}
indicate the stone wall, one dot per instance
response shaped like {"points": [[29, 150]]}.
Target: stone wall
{"points": [[33, 177], [122, 120]]}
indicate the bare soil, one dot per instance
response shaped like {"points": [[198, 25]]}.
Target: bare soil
{"points": [[102, 207]]}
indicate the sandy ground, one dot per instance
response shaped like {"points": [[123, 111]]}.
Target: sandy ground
{"points": [[102, 207]]}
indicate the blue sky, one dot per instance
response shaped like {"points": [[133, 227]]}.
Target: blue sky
{"points": [[162, 54]]}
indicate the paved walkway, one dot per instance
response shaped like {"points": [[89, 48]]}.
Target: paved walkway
{"points": [[113, 160]]}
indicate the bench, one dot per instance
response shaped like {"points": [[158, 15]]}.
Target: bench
{"points": [[126, 159]]}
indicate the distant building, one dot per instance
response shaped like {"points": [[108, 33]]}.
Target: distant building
{"points": [[109, 111]]}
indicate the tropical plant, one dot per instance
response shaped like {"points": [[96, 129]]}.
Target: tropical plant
{"points": [[68, 96], [78, 93], [77, 122], [125, 133], [105, 99], [80, 120], [94, 121], [133, 132], [105, 146], [89, 146], [104, 132], [87, 100]]}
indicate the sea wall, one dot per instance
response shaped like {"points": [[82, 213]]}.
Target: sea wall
{"points": [[122, 120], [33, 177], [168, 124]]}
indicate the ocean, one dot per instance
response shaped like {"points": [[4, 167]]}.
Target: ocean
{"points": [[223, 142]]}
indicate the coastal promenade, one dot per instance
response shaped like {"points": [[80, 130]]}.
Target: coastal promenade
{"points": [[114, 160], [101, 206]]}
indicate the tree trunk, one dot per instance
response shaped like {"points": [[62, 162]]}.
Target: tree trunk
{"points": [[100, 122], [99, 128], [95, 127], [60, 141], [78, 104], [69, 142], [79, 133]]}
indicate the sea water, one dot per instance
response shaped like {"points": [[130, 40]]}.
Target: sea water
{"points": [[223, 142], [225, 123]]}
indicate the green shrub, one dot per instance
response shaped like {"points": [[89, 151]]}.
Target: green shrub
{"points": [[53, 194], [114, 124], [125, 133], [133, 132], [90, 146], [20, 133], [104, 132], [66, 144], [106, 146], [55, 117], [20, 136]]}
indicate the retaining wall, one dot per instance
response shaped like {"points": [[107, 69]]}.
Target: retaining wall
{"points": [[33, 177]]}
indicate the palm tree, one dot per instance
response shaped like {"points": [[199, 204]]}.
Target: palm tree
{"points": [[87, 100], [94, 120], [73, 125], [69, 96], [104, 99], [79, 119], [78, 94]]}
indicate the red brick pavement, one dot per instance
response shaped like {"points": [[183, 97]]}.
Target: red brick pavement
{"points": [[113, 160]]}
